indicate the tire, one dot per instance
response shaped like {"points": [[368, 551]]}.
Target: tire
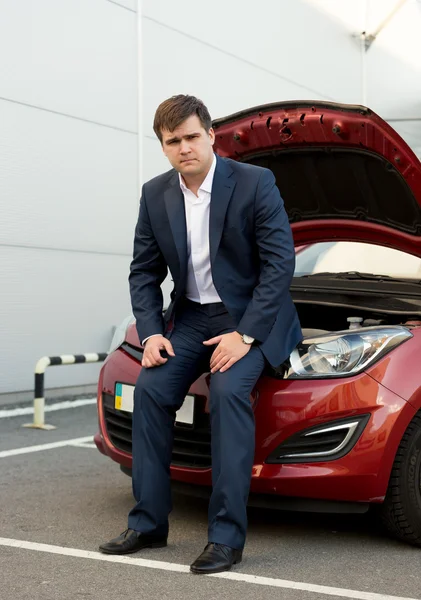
{"points": [[401, 510]]}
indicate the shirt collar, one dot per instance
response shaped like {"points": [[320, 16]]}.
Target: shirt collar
{"points": [[206, 186]]}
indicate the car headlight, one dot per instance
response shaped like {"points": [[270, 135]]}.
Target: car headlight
{"points": [[343, 353], [120, 333]]}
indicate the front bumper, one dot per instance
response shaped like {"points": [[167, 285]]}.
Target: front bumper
{"points": [[282, 409]]}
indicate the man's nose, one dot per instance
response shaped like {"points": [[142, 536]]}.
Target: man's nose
{"points": [[184, 147]]}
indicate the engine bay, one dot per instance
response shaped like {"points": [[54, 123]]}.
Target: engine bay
{"points": [[330, 303]]}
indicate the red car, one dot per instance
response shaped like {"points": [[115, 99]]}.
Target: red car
{"points": [[338, 425]]}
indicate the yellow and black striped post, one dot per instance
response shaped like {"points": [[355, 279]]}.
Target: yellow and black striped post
{"points": [[40, 367]]}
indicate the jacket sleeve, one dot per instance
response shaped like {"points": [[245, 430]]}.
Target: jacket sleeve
{"points": [[148, 270], [277, 260]]}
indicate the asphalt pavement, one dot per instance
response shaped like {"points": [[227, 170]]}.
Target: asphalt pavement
{"points": [[58, 503]]}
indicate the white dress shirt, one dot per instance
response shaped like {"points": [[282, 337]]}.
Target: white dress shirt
{"points": [[200, 287]]}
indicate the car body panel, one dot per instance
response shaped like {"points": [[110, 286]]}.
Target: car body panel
{"points": [[287, 132], [132, 336], [400, 370]]}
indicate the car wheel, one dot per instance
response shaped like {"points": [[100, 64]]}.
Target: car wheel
{"points": [[401, 510]]}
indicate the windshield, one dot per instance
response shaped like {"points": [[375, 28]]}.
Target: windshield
{"points": [[339, 257]]}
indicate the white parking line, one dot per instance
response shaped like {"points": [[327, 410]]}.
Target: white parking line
{"points": [[40, 447], [29, 410], [165, 566], [89, 444]]}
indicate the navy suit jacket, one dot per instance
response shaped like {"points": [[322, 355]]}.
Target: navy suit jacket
{"points": [[251, 252]]}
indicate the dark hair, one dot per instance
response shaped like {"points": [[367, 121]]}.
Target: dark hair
{"points": [[172, 112]]}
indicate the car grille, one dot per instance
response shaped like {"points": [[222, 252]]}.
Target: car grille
{"points": [[192, 445]]}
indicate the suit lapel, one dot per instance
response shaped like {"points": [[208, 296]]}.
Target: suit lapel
{"points": [[174, 204], [222, 189]]}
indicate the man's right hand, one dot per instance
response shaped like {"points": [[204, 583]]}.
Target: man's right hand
{"points": [[151, 354]]}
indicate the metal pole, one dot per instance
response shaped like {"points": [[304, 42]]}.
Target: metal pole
{"points": [[40, 367], [363, 69], [367, 39], [364, 48], [39, 400], [139, 58]]}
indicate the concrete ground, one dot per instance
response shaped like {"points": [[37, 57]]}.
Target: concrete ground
{"points": [[58, 503]]}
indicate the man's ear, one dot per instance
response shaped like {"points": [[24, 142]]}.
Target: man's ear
{"points": [[212, 136]]}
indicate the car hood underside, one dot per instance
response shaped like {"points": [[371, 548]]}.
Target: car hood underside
{"points": [[343, 172]]}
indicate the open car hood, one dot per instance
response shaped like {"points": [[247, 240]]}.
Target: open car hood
{"points": [[343, 172]]}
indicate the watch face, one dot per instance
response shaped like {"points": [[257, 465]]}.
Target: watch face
{"points": [[248, 339]]}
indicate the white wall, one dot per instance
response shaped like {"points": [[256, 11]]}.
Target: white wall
{"points": [[242, 53], [393, 62], [68, 181], [70, 167], [394, 70]]}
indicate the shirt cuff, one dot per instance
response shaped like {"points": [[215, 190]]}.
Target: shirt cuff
{"points": [[146, 339]]}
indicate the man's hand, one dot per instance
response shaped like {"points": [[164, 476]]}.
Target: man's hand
{"points": [[229, 350], [151, 355]]}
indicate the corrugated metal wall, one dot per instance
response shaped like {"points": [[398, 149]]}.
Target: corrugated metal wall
{"points": [[68, 181], [69, 164]]}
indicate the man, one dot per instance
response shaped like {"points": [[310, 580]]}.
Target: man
{"points": [[221, 228]]}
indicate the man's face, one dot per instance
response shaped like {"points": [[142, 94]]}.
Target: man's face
{"points": [[189, 148]]}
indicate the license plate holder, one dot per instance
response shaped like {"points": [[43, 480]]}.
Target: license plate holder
{"points": [[124, 395]]}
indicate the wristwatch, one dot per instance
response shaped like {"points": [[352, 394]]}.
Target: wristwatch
{"points": [[247, 339]]}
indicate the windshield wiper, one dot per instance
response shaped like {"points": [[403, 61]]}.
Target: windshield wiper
{"points": [[356, 275]]}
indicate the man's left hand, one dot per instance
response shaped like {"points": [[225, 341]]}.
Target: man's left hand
{"points": [[229, 350]]}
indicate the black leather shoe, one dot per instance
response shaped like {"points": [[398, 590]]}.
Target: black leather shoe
{"points": [[216, 558], [131, 541]]}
